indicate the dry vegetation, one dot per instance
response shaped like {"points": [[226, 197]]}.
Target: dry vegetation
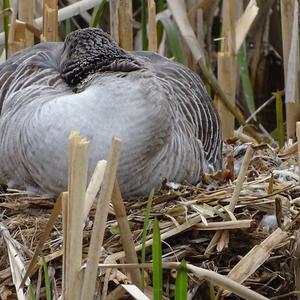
{"points": [[238, 229]]}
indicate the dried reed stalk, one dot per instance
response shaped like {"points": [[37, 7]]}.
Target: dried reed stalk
{"points": [[84, 14], [135, 292], [179, 14], [213, 277], [19, 41], [114, 19], [64, 13], [244, 137], [26, 14], [256, 257], [100, 221], [289, 25], [12, 26], [224, 225], [117, 293], [221, 238], [50, 21], [125, 24], [54, 213], [241, 178], [227, 65], [244, 23], [152, 32], [182, 227], [298, 144], [5, 12], [125, 233], [66, 245], [93, 187], [296, 261], [15, 261], [78, 167]]}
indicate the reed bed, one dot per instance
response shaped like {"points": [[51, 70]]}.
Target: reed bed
{"points": [[235, 233]]}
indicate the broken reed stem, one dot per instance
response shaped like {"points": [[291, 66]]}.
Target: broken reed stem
{"points": [[152, 32], [298, 139], [12, 28], [227, 66], [125, 233], [50, 21], [94, 187], [15, 261], [66, 245], [78, 168], [5, 12], [289, 26], [244, 23], [241, 178], [19, 40], [221, 237], [97, 236], [213, 277], [256, 257], [125, 24], [54, 213], [114, 19], [26, 14], [223, 225]]}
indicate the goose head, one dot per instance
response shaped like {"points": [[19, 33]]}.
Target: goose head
{"points": [[91, 50]]}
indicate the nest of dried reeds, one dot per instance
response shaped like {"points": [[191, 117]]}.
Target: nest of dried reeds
{"points": [[242, 228]]}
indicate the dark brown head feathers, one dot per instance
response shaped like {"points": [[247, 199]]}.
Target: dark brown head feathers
{"points": [[92, 50]]}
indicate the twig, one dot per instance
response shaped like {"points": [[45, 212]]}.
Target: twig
{"points": [[266, 103]]}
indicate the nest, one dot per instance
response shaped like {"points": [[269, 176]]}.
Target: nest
{"points": [[257, 246]]}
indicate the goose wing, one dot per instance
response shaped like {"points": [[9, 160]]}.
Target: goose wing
{"points": [[188, 93]]}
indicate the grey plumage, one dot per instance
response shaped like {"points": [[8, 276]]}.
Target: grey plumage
{"points": [[160, 109]]}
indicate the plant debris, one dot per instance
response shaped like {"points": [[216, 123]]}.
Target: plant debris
{"points": [[264, 226]]}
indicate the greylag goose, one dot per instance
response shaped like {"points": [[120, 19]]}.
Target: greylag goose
{"points": [[159, 108]]}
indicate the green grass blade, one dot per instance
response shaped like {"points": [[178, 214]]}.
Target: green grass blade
{"points": [[157, 278], [172, 37], [144, 234], [160, 5], [31, 293], [99, 13], [5, 5], [245, 77], [279, 119], [68, 26], [212, 295], [144, 25], [181, 284], [47, 280]]}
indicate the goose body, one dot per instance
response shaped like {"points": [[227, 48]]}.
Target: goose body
{"points": [[159, 109]]}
